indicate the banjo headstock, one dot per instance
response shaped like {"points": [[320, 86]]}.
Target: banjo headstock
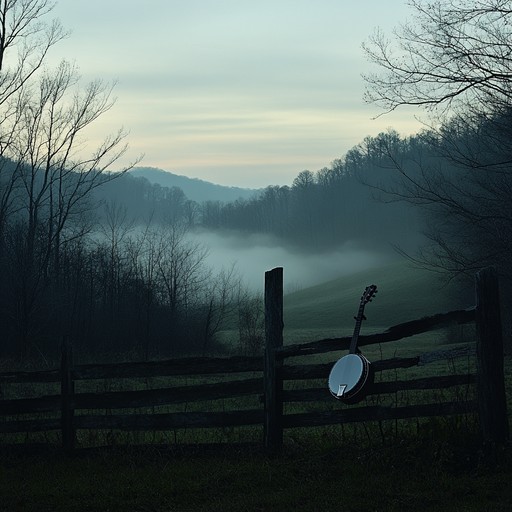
{"points": [[368, 294]]}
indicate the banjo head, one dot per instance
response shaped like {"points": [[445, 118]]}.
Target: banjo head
{"points": [[346, 376]]}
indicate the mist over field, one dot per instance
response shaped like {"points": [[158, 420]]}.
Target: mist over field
{"points": [[253, 255]]}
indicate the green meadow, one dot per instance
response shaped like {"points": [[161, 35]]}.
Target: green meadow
{"points": [[404, 293]]}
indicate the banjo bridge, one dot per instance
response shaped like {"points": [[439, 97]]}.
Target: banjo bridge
{"points": [[341, 390]]}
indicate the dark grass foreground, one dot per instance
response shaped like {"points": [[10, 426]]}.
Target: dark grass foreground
{"points": [[404, 475]]}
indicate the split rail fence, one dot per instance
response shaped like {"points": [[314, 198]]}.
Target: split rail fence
{"points": [[263, 379]]}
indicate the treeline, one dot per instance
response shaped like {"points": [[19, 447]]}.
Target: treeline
{"points": [[321, 210], [326, 209]]}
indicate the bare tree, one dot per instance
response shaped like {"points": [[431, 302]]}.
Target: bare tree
{"points": [[25, 40], [451, 54], [251, 322], [182, 266], [46, 174], [454, 58], [219, 302], [115, 231]]}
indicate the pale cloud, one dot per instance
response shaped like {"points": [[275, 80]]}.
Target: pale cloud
{"points": [[233, 91]]}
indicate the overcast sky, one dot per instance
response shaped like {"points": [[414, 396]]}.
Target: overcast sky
{"points": [[237, 92]]}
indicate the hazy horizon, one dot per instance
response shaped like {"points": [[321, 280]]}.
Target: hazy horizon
{"points": [[237, 93]]}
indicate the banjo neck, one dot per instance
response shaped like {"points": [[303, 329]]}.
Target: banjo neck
{"points": [[357, 329], [369, 292]]}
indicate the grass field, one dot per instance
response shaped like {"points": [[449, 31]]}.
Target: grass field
{"points": [[404, 293], [432, 465], [320, 475]]}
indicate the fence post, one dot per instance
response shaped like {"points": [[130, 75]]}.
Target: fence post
{"points": [[492, 404], [67, 389], [273, 427]]}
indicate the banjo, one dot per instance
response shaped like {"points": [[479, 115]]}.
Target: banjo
{"points": [[352, 375]]}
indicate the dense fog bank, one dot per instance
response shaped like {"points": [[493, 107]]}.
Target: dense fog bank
{"points": [[253, 255]]}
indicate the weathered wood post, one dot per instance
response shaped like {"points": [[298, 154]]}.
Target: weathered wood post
{"points": [[273, 427], [67, 390], [491, 396]]}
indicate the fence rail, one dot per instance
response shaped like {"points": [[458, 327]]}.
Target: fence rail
{"points": [[264, 378], [394, 333]]}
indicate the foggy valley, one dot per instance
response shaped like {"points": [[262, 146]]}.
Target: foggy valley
{"points": [[252, 255]]}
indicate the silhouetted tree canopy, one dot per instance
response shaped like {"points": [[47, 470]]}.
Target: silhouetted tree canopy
{"points": [[454, 58]]}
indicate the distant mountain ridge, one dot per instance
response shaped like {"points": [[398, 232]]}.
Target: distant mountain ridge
{"points": [[194, 188]]}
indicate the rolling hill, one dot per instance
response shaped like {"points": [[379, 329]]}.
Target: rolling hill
{"points": [[404, 293], [195, 189]]}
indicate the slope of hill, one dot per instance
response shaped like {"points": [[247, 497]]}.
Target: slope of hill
{"points": [[195, 189], [404, 294]]}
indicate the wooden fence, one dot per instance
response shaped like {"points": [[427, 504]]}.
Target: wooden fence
{"points": [[490, 402], [68, 401], [263, 378]]}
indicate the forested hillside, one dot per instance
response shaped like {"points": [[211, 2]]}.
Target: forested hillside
{"points": [[195, 189], [329, 207], [320, 210]]}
